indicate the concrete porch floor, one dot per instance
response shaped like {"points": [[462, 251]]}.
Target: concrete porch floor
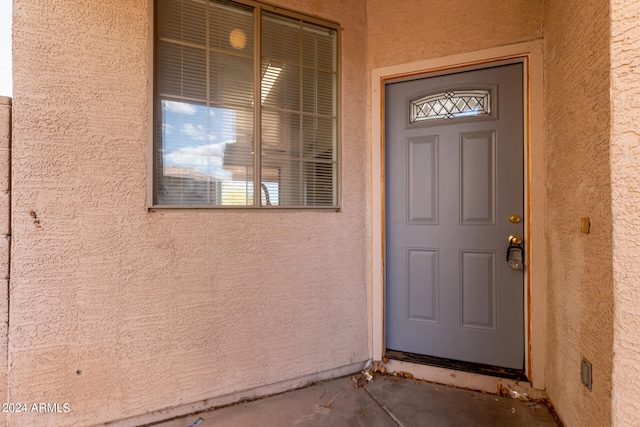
{"points": [[386, 401]]}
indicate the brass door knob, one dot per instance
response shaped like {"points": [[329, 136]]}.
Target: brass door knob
{"points": [[515, 239]]}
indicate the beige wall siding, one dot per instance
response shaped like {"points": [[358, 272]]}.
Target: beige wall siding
{"points": [[119, 311], [625, 177], [414, 30], [5, 231], [580, 282]]}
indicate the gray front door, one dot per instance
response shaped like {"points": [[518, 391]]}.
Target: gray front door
{"points": [[453, 178]]}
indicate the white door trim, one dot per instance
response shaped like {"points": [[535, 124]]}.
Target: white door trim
{"points": [[535, 287]]}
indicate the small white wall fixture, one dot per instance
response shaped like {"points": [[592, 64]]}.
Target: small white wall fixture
{"points": [[531, 55]]}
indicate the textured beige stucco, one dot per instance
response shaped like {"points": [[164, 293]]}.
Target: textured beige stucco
{"points": [[5, 147], [119, 311], [414, 30], [625, 178], [579, 266]]}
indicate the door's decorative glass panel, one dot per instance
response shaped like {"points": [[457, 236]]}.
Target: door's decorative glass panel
{"points": [[478, 178], [451, 104], [479, 305], [423, 180], [423, 285]]}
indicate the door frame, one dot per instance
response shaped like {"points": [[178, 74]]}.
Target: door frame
{"points": [[531, 55]]}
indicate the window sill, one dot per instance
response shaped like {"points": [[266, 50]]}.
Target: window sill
{"points": [[154, 208]]}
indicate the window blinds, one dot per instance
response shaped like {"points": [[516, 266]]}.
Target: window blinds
{"points": [[206, 144]]}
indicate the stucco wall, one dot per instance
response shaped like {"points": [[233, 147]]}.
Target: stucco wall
{"points": [[579, 271], [118, 311], [5, 197], [625, 178], [413, 30]]}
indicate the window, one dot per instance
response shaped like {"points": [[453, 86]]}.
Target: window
{"points": [[214, 145], [451, 104]]}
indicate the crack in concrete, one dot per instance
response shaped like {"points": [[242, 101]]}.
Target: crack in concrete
{"points": [[328, 404], [384, 408]]}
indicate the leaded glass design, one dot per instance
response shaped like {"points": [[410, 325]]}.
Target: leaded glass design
{"points": [[451, 104]]}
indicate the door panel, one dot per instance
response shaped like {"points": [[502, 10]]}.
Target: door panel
{"points": [[451, 185], [478, 173], [423, 285], [479, 299], [422, 164]]}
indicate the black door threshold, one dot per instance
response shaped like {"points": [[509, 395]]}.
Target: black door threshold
{"points": [[476, 368]]}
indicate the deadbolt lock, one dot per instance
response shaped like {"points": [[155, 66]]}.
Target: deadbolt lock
{"points": [[514, 219], [515, 252]]}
